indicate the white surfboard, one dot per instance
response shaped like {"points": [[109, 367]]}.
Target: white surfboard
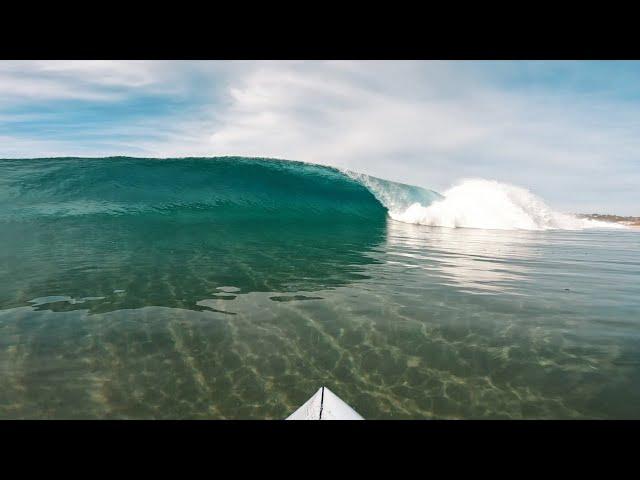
{"points": [[325, 405]]}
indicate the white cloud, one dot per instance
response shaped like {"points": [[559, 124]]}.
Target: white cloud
{"points": [[99, 80]]}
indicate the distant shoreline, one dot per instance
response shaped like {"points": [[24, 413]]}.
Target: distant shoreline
{"points": [[629, 221]]}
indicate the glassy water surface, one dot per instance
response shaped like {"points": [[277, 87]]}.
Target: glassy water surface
{"points": [[174, 313]]}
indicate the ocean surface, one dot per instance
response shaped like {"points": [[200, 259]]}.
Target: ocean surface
{"points": [[234, 288]]}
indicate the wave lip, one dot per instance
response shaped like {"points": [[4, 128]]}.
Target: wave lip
{"points": [[395, 197], [488, 204]]}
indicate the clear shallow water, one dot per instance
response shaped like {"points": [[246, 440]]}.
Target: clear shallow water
{"points": [[178, 309]]}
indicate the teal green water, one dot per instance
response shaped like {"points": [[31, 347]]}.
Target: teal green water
{"points": [[234, 288]]}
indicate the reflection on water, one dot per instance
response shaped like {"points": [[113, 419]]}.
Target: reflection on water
{"points": [[477, 260], [185, 319], [132, 262]]}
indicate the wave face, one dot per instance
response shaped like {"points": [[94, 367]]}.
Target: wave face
{"points": [[219, 188], [489, 204]]}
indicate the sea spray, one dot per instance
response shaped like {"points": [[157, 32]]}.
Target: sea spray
{"points": [[488, 204]]}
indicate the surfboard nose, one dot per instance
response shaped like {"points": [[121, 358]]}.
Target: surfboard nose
{"points": [[325, 405]]}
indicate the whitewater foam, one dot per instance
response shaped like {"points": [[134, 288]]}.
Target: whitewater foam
{"points": [[488, 204]]}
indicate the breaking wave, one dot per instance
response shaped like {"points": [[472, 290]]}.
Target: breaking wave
{"points": [[261, 190]]}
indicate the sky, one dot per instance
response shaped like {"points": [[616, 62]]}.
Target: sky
{"points": [[567, 131]]}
